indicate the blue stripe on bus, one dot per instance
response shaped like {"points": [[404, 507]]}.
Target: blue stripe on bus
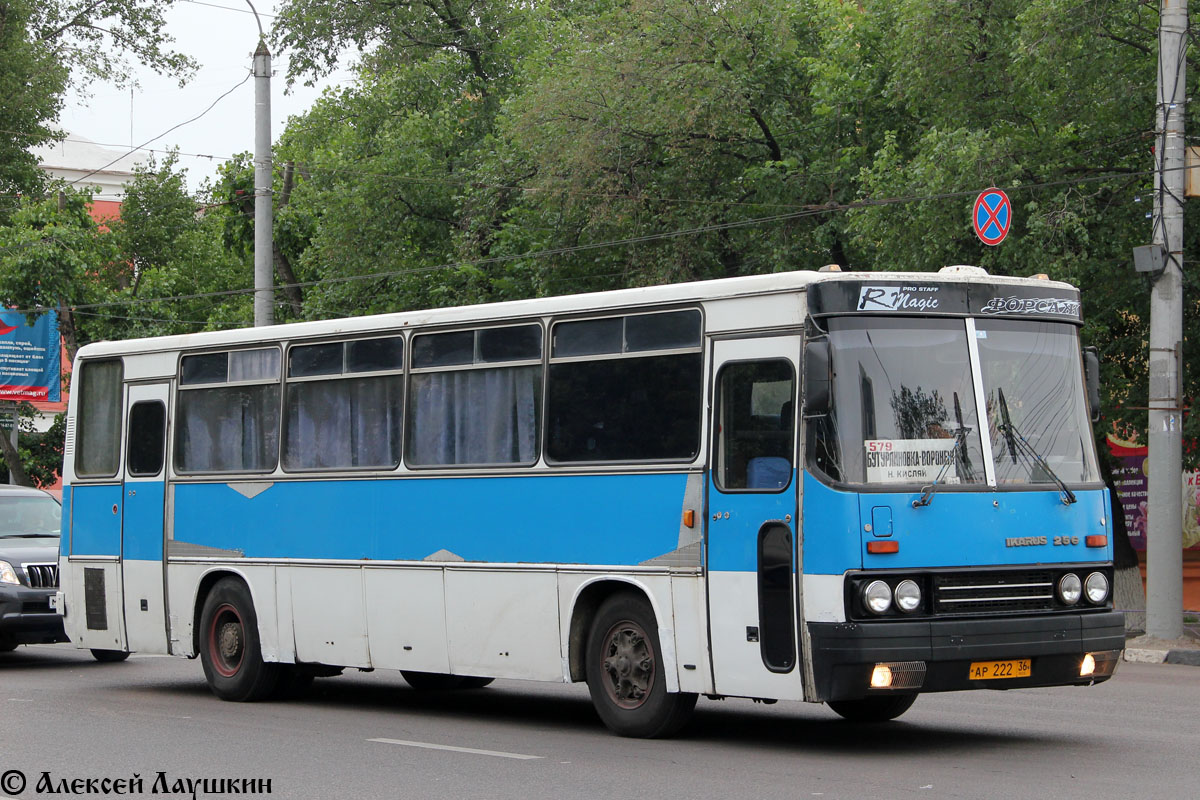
{"points": [[143, 515], [566, 519], [955, 529], [64, 542], [96, 521]]}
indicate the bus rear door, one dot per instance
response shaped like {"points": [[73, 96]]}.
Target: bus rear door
{"points": [[142, 531]]}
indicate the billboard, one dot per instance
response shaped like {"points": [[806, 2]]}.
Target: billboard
{"points": [[1130, 480], [30, 365]]}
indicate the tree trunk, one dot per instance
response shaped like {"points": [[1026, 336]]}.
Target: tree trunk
{"points": [[283, 267]]}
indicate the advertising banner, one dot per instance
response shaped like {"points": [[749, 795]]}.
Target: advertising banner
{"points": [[1129, 477], [30, 367]]}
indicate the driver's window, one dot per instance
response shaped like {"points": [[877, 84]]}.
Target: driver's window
{"points": [[756, 421]]}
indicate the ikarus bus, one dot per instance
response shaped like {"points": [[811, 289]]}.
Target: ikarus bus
{"points": [[849, 488]]}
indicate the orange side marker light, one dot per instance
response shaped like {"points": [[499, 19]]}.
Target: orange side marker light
{"points": [[889, 546]]}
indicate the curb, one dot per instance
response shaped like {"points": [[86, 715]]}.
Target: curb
{"points": [[1146, 656]]}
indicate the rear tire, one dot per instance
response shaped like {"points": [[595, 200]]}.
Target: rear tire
{"points": [[229, 646], [109, 656], [431, 681], [473, 682], [873, 709], [625, 672]]}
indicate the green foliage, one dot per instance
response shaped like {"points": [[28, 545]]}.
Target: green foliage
{"points": [[32, 82], [494, 149]]}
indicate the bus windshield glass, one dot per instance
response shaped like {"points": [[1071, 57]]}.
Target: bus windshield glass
{"points": [[903, 408], [1036, 366]]}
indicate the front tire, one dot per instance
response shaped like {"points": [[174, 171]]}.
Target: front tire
{"points": [[873, 709], [625, 672], [229, 646]]}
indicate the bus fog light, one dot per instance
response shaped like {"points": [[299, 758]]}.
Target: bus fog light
{"points": [[1088, 667], [1097, 588], [908, 595], [877, 597], [1069, 588], [881, 676]]}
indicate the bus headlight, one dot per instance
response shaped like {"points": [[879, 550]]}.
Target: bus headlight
{"points": [[908, 596], [877, 597], [1096, 586], [1069, 588]]}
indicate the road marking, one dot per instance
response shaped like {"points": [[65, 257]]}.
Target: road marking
{"points": [[453, 749]]}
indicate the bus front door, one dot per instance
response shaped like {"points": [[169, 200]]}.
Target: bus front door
{"points": [[751, 519], [142, 530]]}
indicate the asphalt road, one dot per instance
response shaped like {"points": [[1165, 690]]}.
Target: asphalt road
{"points": [[370, 736]]}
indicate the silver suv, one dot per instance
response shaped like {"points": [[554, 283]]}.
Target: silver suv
{"points": [[29, 531]]}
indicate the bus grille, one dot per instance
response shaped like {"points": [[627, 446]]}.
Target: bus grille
{"points": [[42, 576], [992, 592]]}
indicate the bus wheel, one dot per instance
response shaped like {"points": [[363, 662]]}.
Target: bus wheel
{"points": [[624, 672], [431, 681], [229, 646], [474, 682], [874, 709], [109, 656]]}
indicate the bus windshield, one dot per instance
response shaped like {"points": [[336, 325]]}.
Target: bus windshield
{"points": [[1036, 366], [904, 403]]}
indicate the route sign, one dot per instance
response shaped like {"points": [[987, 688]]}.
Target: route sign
{"points": [[992, 216]]}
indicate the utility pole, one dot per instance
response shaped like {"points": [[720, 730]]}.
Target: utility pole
{"points": [[1164, 546], [264, 291]]}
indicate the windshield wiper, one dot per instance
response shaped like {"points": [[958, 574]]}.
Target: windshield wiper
{"points": [[958, 454], [1018, 443]]}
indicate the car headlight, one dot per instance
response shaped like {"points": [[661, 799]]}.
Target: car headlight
{"points": [[877, 596], [1096, 586], [908, 595], [1069, 588], [7, 573]]}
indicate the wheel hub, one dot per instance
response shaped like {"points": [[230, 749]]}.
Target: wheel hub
{"points": [[229, 641], [628, 665]]}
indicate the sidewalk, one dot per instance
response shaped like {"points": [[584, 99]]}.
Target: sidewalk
{"points": [[1185, 650]]}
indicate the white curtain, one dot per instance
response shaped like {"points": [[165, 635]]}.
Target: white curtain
{"points": [[485, 416], [343, 423]]}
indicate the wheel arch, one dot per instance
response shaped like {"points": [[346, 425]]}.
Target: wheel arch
{"points": [[586, 601], [205, 586]]}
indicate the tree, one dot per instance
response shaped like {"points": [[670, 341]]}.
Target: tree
{"points": [[49, 45]]}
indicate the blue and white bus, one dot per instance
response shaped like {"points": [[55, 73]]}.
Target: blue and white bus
{"points": [[848, 488]]}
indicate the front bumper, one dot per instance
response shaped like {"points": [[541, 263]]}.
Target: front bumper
{"points": [[27, 618], [845, 653]]}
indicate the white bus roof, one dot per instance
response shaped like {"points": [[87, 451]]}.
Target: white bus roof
{"points": [[676, 293]]}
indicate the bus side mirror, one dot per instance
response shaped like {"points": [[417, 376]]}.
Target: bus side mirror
{"points": [[816, 378], [1091, 376]]}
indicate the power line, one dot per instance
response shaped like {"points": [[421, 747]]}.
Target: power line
{"points": [[164, 133], [814, 210]]}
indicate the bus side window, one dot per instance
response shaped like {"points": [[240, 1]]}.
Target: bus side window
{"points": [[755, 439]]}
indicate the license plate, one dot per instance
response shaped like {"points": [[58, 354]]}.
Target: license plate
{"points": [[999, 670]]}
